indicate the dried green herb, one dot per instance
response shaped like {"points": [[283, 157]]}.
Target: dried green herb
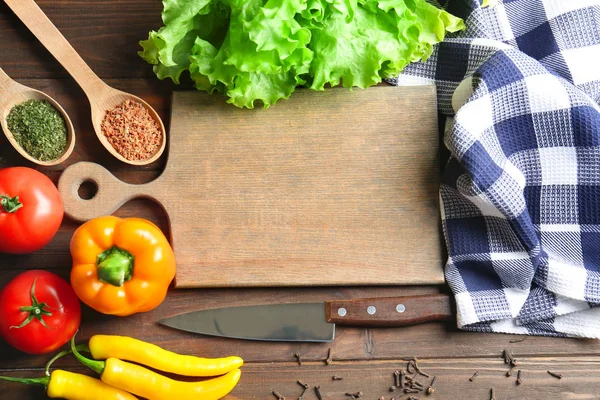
{"points": [[39, 129]]}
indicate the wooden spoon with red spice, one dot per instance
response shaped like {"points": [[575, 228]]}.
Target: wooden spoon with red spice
{"points": [[12, 94], [139, 143]]}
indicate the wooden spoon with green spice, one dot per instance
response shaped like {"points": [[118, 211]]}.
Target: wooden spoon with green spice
{"points": [[12, 96], [102, 97]]}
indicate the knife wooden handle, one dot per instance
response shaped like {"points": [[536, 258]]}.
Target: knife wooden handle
{"points": [[390, 311]]}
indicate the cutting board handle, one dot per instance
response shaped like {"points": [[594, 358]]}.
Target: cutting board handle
{"points": [[111, 192]]}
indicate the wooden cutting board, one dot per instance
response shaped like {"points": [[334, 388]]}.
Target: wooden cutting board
{"points": [[326, 188]]}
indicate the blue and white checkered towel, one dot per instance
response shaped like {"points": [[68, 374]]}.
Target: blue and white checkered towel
{"points": [[521, 191]]}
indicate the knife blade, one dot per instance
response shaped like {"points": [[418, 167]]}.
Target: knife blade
{"points": [[311, 322]]}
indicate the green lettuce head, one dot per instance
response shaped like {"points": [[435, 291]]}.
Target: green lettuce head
{"points": [[262, 50]]}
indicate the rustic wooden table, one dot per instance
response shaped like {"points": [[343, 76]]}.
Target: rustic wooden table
{"points": [[106, 34]]}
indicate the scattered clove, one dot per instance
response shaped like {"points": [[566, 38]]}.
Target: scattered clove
{"points": [[415, 384], [397, 378], [416, 367], [519, 381], [337, 378], [410, 384], [297, 355], [304, 385], [475, 375], [356, 395], [329, 359], [554, 374], [431, 387], [410, 367], [277, 395], [518, 340], [509, 358], [318, 392], [509, 372], [492, 395]]}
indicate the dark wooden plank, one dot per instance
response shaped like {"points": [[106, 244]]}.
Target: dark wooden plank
{"points": [[452, 383], [432, 340], [105, 33], [375, 377]]}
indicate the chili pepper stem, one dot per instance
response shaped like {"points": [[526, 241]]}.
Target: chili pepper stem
{"points": [[115, 266], [96, 366], [10, 204], [44, 381], [80, 347]]}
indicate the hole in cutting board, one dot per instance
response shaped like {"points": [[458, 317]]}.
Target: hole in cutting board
{"points": [[87, 190]]}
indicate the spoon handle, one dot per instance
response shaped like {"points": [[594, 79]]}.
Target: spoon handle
{"points": [[45, 31], [4, 79], [111, 192], [8, 87]]}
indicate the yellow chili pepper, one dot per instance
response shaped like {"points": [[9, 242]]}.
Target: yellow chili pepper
{"points": [[70, 386], [121, 266], [153, 386], [130, 349]]}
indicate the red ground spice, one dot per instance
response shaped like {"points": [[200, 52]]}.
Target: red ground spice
{"points": [[132, 131]]}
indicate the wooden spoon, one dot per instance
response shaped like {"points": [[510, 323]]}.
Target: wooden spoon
{"points": [[12, 94], [101, 96]]}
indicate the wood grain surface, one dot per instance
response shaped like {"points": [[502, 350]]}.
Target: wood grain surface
{"points": [[106, 33], [327, 188]]}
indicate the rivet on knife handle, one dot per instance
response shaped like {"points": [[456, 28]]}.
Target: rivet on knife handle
{"points": [[390, 311]]}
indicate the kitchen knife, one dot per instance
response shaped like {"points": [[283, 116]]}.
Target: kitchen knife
{"points": [[312, 322]]}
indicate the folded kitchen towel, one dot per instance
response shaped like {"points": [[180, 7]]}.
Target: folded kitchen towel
{"points": [[520, 195]]}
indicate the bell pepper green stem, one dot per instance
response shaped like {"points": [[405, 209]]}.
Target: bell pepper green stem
{"points": [[10, 204], [44, 381], [80, 347], [96, 366], [36, 310], [115, 266]]}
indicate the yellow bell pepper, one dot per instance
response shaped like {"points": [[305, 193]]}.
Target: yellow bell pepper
{"points": [[121, 266]]}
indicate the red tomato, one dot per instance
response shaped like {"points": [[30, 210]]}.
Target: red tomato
{"points": [[31, 210], [39, 312]]}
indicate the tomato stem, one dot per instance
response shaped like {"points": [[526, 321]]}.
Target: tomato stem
{"points": [[96, 366], [115, 266], [10, 204], [44, 381], [36, 310]]}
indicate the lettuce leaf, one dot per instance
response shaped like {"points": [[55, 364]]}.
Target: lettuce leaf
{"points": [[261, 50]]}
